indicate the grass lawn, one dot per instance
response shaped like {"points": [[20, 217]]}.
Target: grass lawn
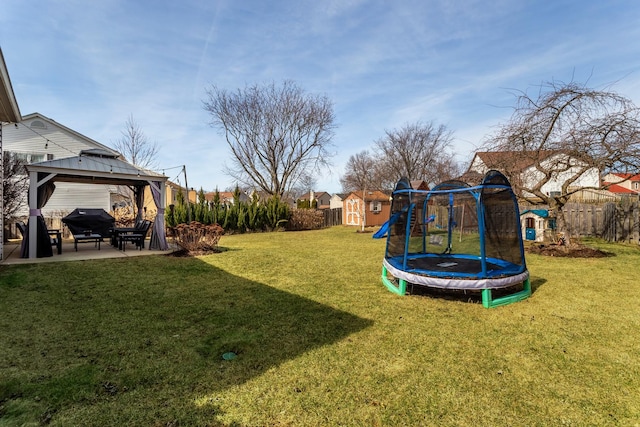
{"points": [[319, 341]]}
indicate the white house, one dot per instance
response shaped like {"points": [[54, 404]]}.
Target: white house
{"points": [[622, 183], [530, 175], [336, 201], [9, 113], [38, 138]]}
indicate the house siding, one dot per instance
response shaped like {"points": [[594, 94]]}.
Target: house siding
{"points": [[54, 141], [336, 202], [83, 195], [530, 175]]}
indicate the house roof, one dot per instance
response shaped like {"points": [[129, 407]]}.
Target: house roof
{"points": [[71, 131], [92, 167], [9, 110], [316, 195], [371, 196], [619, 189], [224, 195], [514, 159], [419, 184]]}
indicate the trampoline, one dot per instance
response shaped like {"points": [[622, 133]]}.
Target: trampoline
{"points": [[457, 237]]}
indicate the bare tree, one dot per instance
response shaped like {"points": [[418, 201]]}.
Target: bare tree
{"points": [[359, 172], [360, 177], [15, 185], [136, 147], [564, 134], [278, 135], [137, 150], [416, 151]]}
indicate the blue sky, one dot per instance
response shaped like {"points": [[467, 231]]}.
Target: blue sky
{"points": [[89, 65]]}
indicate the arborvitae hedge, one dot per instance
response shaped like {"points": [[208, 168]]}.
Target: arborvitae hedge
{"points": [[238, 217]]}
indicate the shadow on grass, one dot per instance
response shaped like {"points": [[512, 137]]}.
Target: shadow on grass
{"points": [[156, 326]]}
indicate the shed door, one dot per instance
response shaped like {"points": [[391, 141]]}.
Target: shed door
{"points": [[353, 212]]}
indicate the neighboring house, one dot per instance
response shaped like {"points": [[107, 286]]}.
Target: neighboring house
{"points": [[171, 197], [9, 113], [419, 185], [376, 208], [226, 197], [39, 138], [336, 201], [323, 198], [535, 222], [524, 170], [264, 197], [622, 183]]}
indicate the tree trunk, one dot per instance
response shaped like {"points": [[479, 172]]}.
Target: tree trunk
{"points": [[561, 222], [364, 210]]}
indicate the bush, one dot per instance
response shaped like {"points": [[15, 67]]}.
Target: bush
{"points": [[195, 236], [306, 219]]}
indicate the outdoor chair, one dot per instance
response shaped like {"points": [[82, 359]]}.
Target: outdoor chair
{"points": [[117, 231], [137, 236]]}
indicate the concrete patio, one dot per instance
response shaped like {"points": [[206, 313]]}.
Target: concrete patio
{"points": [[85, 251]]}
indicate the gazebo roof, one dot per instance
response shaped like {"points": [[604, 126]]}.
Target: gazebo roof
{"points": [[96, 167]]}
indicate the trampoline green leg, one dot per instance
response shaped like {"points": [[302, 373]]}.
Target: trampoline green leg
{"points": [[401, 289], [489, 302]]}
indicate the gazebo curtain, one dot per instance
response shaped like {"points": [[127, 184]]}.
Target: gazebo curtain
{"points": [[158, 235], [139, 195], [44, 241]]}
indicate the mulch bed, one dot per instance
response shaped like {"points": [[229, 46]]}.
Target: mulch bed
{"points": [[568, 251]]}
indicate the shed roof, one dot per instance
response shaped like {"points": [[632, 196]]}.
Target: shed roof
{"points": [[543, 213], [375, 195]]}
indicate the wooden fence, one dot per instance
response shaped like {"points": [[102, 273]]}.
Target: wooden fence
{"points": [[332, 217], [614, 222]]}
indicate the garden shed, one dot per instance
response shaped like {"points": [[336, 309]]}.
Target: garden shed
{"points": [[94, 167]]}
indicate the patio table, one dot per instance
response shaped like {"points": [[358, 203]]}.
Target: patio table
{"points": [[84, 238]]}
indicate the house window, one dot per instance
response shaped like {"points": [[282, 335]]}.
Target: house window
{"points": [[37, 124], [636, 185], [554, 193], [375, 206], [28, 158], [530, 223]]}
